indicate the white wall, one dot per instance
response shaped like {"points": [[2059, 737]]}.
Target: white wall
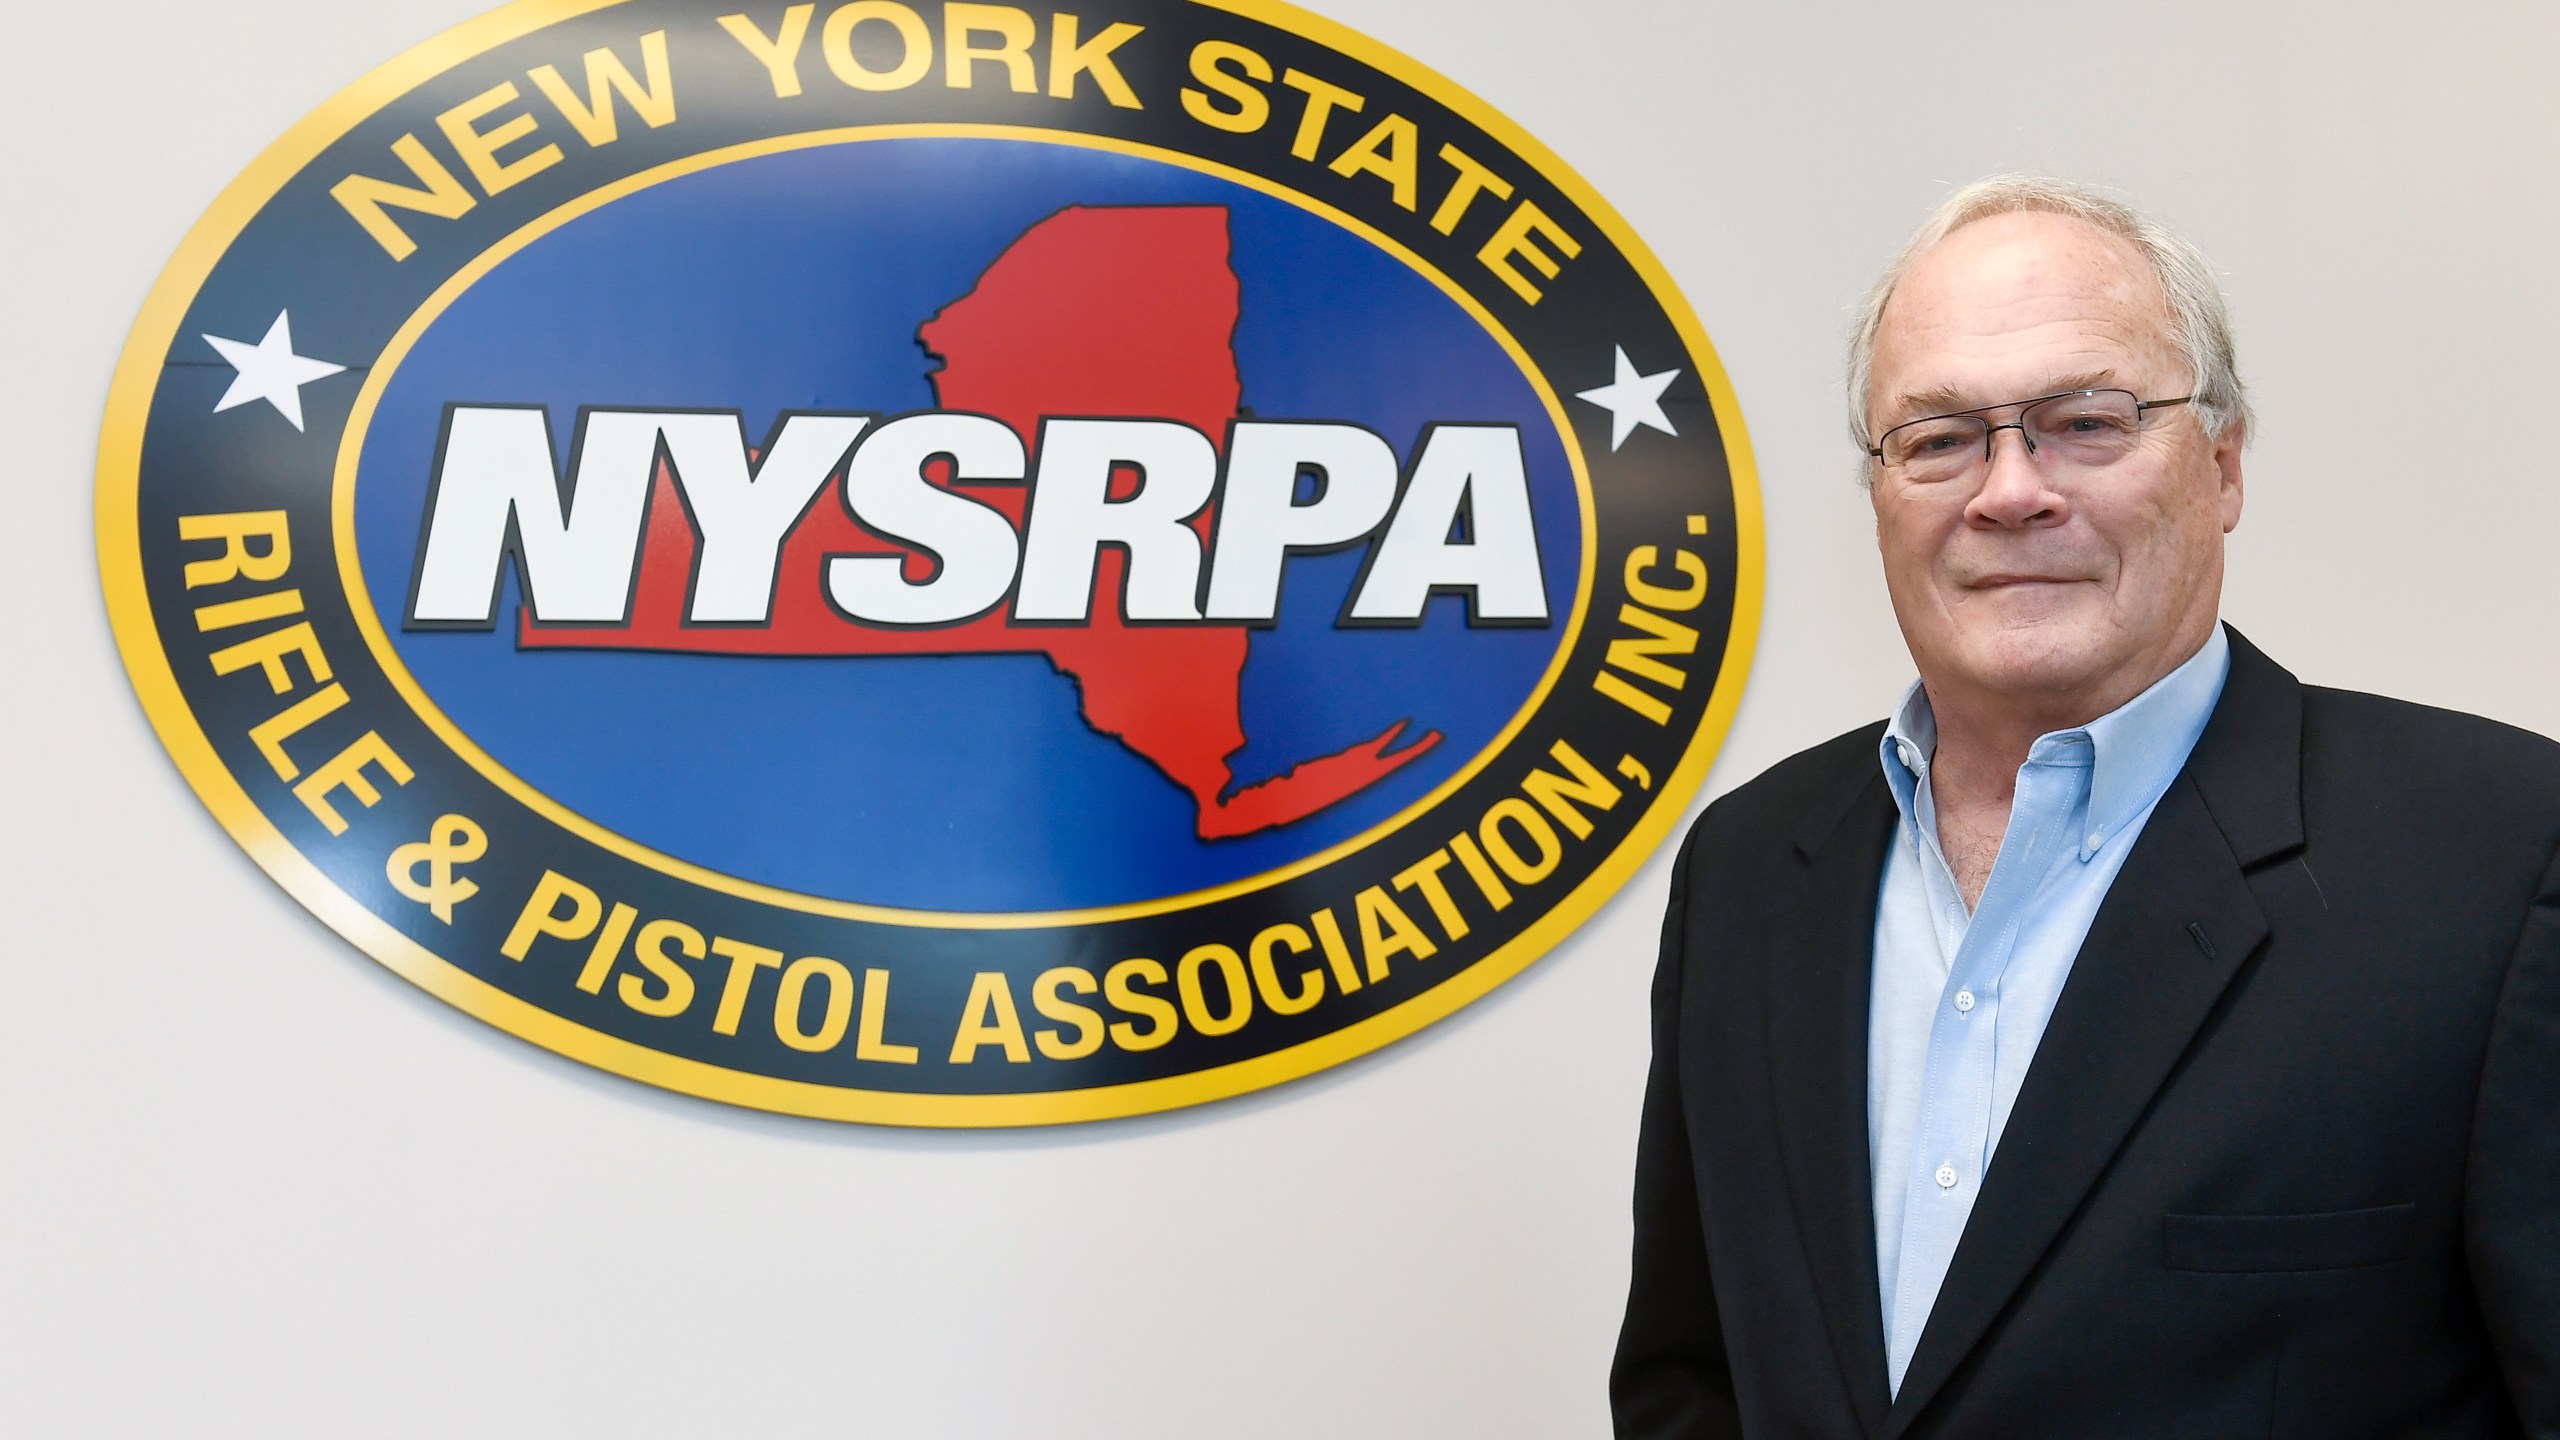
{"points": [[251, 1184]]}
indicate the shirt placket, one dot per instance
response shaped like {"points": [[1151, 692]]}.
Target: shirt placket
{"points": [[1951, 1142]]}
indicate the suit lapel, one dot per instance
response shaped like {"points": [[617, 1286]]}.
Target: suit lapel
{"points": [[2176, 926], [1818, 1051]]}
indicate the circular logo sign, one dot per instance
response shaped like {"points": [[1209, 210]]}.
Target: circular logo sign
{"points": [[930, 564]]}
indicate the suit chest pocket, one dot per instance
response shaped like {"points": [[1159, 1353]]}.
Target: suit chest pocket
{"points": [[2256, 1244]]}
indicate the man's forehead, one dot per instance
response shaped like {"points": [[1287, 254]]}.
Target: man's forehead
{"points": [[2030, 299], [2031, 251]]}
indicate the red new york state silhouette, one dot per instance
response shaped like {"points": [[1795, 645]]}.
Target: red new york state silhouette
{"points": [[1093, 312]]}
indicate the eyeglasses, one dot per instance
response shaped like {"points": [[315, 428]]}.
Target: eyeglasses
{"points": [[2074, 430]]}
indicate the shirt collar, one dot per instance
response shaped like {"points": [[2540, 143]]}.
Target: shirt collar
{"points": [[2137, 748], [1910, 743]]}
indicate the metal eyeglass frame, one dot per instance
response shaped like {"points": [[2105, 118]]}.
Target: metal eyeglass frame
{"points": [[2141, 407]]}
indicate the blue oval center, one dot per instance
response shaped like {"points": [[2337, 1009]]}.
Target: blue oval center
{"points": [[977, 783]]}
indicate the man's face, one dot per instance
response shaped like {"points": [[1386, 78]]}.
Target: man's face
{"points": [[2023, 584]]}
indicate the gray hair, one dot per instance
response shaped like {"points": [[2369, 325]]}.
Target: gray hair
{"points": [[2201, 321]]}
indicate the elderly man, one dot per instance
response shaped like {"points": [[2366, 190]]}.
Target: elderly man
{"points": [[2125, 1039]]}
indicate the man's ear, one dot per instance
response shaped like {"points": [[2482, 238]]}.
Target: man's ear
{"points": [[2226, 462]]}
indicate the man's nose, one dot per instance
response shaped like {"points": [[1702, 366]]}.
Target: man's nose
{"points": [[2013, 490]]}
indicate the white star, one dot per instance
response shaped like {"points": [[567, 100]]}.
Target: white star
{"points": [[1632, 400], [270, 371]]}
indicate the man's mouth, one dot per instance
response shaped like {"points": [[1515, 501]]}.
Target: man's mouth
{"points": [[2006, 581]]}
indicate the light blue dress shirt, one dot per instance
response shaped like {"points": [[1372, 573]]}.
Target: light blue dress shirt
{"points": [[1960, 1001]]}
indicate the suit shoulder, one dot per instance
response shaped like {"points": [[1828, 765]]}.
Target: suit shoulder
{"points": [[2447, 754], [1805, 788]]}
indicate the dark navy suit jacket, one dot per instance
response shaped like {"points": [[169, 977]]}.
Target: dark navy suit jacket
{"points": [[2287, 1162]]}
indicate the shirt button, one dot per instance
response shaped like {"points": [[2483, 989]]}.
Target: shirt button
{"points": [[1964, 1002], [1903, 749], [2096, 839], [1946, 1177]]}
